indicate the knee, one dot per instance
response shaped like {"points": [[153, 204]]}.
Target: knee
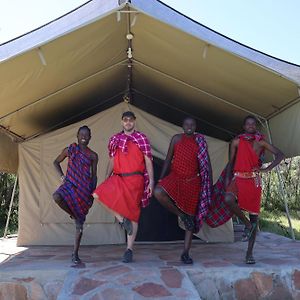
{"points": [[79, 227], [158, 193], [57, 198], [229, 199]]}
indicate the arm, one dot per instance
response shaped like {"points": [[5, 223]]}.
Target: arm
{"points": [[57, 162], [279, 156], [149, 168], [110, 167], [169, 157], [94, 170], [229, 168]]}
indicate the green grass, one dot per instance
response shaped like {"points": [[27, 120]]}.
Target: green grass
{"points": [[277, 222]]}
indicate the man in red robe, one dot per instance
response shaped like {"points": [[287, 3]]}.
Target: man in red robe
{"points": [[243, 184], [129, 182], [186, 190]]}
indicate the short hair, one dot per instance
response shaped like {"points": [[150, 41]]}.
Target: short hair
{"points": [[189, 118], [129, 114], [249, 117], [84, 128]]}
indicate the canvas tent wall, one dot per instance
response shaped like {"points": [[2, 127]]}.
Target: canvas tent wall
{"points": [[77, 66], [41, 222]]}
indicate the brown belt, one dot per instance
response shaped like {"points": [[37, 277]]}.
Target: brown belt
{"points": [[129, 174]]}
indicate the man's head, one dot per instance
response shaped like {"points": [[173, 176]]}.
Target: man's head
{"points": [[84, 135], [189, 125], [128, 121], [249, 124]]}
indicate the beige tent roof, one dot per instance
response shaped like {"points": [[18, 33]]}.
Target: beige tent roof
{"points": [[77, 66]]}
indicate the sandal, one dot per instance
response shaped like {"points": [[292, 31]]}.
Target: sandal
{"points": [[75, 259], [188, 222], [127, 225], [250, 260], [248, 232], [186, 259]]}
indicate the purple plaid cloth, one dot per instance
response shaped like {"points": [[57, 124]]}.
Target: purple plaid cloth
{"points": [[119, 141], [206, 184]]}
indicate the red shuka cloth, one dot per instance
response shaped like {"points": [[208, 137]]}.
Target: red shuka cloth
{"points": [[123, 194], [247, 190], [183, 184]]}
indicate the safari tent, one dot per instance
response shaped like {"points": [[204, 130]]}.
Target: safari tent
{"points": [[108, 56]]}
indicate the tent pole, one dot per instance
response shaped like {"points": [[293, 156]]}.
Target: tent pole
{"points": [[282, 189], [10, 207]]}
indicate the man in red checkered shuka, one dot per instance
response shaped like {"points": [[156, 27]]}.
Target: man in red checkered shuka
{"points": [[186, 190]]}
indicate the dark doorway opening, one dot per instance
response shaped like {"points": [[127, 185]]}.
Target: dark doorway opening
{"points": [[156, 223]]}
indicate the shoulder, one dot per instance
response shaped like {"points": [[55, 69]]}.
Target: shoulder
{"points": [[94, 155], [176, 138], [235, 141], [139, 134]]}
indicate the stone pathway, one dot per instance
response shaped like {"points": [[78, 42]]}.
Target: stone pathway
{"points": [[45, 272]]}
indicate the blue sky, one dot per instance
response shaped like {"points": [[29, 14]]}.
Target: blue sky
{"points": [[271, 26]]}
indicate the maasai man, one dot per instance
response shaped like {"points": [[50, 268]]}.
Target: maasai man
{"points": [[186, 191], [243, 184], [129, 182], [74, 196]]}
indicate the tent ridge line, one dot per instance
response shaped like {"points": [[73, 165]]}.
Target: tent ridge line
{"points": [[61, 90], [200, 90], [73, 117], [283, 108], [180, 110]]}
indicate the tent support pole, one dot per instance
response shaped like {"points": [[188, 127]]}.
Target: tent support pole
{"points": [[282, 189], [10, 207]]}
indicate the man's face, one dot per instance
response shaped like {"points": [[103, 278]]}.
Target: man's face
{"points": [[250, 126], [83, 137], [128, 124], [189, 126]]}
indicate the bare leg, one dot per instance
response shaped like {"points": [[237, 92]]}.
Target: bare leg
{"points": [[127, 257], [231, 202], [163, 198], [187, 241], [131, 238], [251, 242], [185, 256], [78, 235], [62, 204]]}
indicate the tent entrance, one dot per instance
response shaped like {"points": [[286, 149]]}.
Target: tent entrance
{"points": [[156, 223]]}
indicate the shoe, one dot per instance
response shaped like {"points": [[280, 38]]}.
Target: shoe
{"points": [[127, 225], [75, 259], [186, 259], [248, 232], [250, 260], [188, 222], [127, 257]]}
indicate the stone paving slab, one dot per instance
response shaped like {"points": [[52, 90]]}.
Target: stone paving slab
{"points": [[218, 272]]}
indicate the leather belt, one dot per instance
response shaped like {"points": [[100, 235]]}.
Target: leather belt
{"points": [[129, 174]]}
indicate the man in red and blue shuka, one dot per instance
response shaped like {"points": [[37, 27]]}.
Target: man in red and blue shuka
{"points": [[74, 196]]}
